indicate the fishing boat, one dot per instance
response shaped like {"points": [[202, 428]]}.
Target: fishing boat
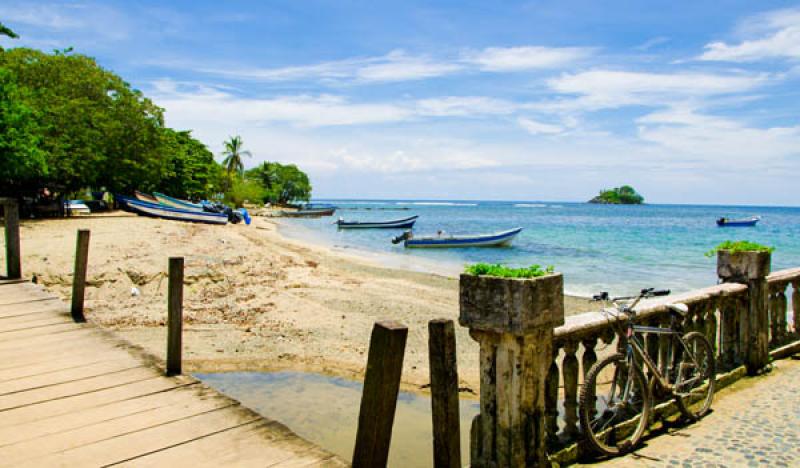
{"points": [[309, 213], [441, 240], [727, 222], [405, 223], [165, 212], [145, 197], [172, 202]]}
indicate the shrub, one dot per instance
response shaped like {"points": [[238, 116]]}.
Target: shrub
{"points": [[486, 269]]}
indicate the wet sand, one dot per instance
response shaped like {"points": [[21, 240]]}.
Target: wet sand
{"points": [[253, 300]]}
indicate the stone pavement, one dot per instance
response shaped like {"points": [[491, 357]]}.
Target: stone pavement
{"points": [[755, 422]]}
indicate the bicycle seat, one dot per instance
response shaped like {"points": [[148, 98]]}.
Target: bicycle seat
{"points": [[681, 310]]}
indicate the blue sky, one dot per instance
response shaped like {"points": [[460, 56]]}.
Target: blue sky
{"points": [[690, 102]]}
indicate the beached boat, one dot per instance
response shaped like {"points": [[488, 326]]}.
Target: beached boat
{"points": [[441, 240], [726, 222], [405, 223], [165, 212], [145, 197], [172, 202], [309, 213]]}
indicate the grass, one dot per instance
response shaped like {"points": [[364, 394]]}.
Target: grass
{"points": [[486, 269], [739, 246]]}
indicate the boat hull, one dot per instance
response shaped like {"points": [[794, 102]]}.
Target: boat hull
{"points": [[500, 239], [406, 223], [145, 197], [738, 223], [165, 212], [166, 200], [313, 213]]}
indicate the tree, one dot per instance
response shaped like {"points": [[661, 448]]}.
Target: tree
{"points": [[283, 183], [191, 170], [22, 162], [5, 31], [233, 155]]}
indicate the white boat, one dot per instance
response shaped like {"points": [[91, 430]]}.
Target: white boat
{"points": [[405, 223], [498, 239], [76, 207], [166, 212]]}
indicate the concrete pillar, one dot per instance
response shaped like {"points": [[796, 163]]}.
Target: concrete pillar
{"points": [[750, 268], [512, 320]]}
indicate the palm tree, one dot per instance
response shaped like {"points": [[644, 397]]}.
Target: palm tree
{"points": [[233, 155]]}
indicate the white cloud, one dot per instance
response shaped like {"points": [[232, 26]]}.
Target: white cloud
{"points": [[780, 31], [600, 89], [503, 59], [464, 106], [538, 128], [96, 19]]}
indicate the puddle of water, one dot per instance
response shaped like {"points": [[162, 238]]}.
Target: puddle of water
{"points": [[324, 410]]}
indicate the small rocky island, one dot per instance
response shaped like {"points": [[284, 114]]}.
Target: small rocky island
{"points": [[625, 195]]}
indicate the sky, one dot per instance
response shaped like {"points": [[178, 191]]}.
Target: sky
{"points": [[688, 101]]}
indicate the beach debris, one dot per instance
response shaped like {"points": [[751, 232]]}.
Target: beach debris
{"points": [[135, 291]]}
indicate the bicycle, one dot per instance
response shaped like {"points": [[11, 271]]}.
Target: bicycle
{"points": [[616, 400]]}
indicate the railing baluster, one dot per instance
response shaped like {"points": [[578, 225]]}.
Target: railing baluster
{"points": [[551, 401], [588, 359], [570, 371], [796, 306], [711, 326], [774, 322]]}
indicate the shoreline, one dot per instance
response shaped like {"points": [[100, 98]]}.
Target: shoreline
{"points": [[254, 299]]}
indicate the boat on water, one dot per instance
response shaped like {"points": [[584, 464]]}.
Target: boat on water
{"points": [[166, 212], [309, 213], [405, 223], [727, 222], [172, 202], [441, 240]]}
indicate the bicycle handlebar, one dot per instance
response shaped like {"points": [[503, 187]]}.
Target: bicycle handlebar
{"points": [[648, 292]]}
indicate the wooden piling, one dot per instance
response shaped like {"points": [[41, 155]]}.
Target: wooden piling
{"points": [[175, 316], [79, 276], [379, 397], [13, 255], [444, 394]]}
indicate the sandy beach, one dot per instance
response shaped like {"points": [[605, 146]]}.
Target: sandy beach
{"points": [[253, 299]]}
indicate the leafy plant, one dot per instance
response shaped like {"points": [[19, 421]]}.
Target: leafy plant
{"points": [[739, 246], [625, 195], [486, 269]]}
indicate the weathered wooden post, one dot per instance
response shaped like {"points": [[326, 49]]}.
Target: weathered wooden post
{"points": [[79, 275], [379, 398], [444, 394], [13, 254], [513, 320], [750, 268], [175, 316]]}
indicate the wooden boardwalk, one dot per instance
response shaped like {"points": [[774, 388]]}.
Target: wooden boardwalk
{"points": [[75, 395]]}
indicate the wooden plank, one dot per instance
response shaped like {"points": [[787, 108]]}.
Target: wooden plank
{"points": [[41, 340], [79, 276], [61, 391], [122, 392], [4, 282], [122, 428], [155, 438], [22, 323], [59, 363], [379, 397], [50, 330], [35, 305], [104, 412], [444, 394], [73, 374], [175, 316]]}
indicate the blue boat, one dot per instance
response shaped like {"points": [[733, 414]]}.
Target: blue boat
{"points": [[165, 212], [172, 202], [405, 223], [441, 240], [725, 222]]}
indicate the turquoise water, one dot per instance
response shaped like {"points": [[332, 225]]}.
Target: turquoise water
{"points": [[598, 247]]}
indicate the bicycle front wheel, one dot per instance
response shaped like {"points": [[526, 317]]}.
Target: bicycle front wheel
{"points": [[694, 379], [614, 406]]}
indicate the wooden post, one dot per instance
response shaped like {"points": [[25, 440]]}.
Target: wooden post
{"points": [[175, 316], [13, 255], [750, 268], [444, 394], [513, 321], [379, 397], [79, 276]]}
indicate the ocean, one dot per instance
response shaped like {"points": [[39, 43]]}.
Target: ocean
{"points": [[614, 248]]}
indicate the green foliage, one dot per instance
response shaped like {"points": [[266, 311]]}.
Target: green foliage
{"points": [[21, 158], [486, 269], [233, 155], [191, 171], [739, 246], [244, 190], [6, 31], [283, 183], [625, 195]]}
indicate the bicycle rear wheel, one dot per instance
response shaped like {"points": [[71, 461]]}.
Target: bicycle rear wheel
{"points": [[614, 405], [694, 377]]}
